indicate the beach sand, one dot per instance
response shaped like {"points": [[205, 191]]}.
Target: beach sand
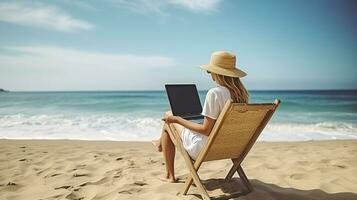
{"points": [[60, 169]]}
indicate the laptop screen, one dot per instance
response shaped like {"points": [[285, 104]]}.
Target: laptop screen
{"points": [[184, 99]]}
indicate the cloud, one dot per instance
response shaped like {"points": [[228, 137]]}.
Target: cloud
{"points": [[197, 5], [41, 15], [160, 6], [48, 67], [82, 4], [68, 57]]}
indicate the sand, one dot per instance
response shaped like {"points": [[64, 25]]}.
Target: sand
{"points": [[60, 169]]}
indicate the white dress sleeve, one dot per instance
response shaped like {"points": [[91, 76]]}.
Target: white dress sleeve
{"points": [[211, 105]]}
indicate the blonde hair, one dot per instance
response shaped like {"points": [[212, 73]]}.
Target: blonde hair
{"points": [[236, 88]]}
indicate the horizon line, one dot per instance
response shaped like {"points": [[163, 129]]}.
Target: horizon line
{"points": [[162, 90]]}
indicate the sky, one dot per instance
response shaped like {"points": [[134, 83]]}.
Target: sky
{"points": [[143, 44]]}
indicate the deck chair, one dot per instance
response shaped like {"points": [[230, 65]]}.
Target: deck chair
{"points": [[233, 135]]}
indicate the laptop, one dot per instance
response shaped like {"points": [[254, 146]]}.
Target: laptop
{"points": [[185, 102]]}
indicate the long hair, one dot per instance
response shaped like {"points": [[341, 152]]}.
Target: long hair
{"points": [[236, 88]]}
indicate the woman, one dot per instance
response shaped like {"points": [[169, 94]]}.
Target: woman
{"points": [[194, 136]]}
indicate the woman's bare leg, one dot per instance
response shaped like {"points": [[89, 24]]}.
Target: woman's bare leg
{"points": [[168, 149], [165, 144], [157, 143]]}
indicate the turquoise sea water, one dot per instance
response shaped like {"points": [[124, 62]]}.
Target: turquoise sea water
{"points": [[135, 115]]}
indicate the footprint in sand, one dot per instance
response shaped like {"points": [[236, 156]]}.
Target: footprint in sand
{"points": [[124, 192], [111, 154], [130, 191], [151, 161], [79, 175], [340, 166], [63, 187], [99, 182], [58, 196], [117, 174], [131, 163], [140, 183], [59, 168], [297, 176], [83, 184], [11, 184], [76, 168], [36, 169], [53, 175], [42, 171], [81, 166], [73, 196]]}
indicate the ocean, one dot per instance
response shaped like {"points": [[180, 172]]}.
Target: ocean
{"points": [[135, 115]]}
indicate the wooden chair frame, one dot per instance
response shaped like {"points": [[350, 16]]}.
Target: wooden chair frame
{"points": [[194, 165]]}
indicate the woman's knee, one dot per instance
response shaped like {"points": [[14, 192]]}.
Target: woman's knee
{"points": [[167, 136]]}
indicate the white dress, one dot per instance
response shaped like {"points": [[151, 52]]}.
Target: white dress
{"points": [[216, 97]]}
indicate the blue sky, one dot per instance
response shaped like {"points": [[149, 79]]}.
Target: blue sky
{"points": [[138, 45]]}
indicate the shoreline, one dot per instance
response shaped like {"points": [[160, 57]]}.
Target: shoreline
{"points": [[149, 141], [77, 169]]}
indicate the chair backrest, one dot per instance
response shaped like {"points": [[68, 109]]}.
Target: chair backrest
{"points": [[237, 129]]}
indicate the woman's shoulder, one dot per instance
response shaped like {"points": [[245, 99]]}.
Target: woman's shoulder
{"points": [[218, 90]]}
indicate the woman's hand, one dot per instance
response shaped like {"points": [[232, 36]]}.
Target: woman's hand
{"points": [[169, 118], [204, 128]]}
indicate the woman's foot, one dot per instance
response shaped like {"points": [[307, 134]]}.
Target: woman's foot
{"points": [[172, 180], [157, 144], [168, 179]]}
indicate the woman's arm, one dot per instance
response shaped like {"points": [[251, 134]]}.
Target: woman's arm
{"points": [[204, 128]]}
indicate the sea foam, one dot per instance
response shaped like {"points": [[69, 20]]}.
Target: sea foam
{"points": [[129, 128]]}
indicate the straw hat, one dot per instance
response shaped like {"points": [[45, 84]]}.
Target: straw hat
{"points": [[223, 63]]}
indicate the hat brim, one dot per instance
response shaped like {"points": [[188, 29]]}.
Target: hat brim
{"points": [[222, 71]]}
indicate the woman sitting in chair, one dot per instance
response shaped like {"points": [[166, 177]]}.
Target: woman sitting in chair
{"points": [[194, 136]]}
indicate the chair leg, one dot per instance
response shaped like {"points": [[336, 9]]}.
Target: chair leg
{"points": [[199, 185], [244, 178], [238, 168], [190, 166], [187, 185], [193, 177], [231, 172]]}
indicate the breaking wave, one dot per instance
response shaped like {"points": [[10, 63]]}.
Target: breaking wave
{"points": [[126, 127]]}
